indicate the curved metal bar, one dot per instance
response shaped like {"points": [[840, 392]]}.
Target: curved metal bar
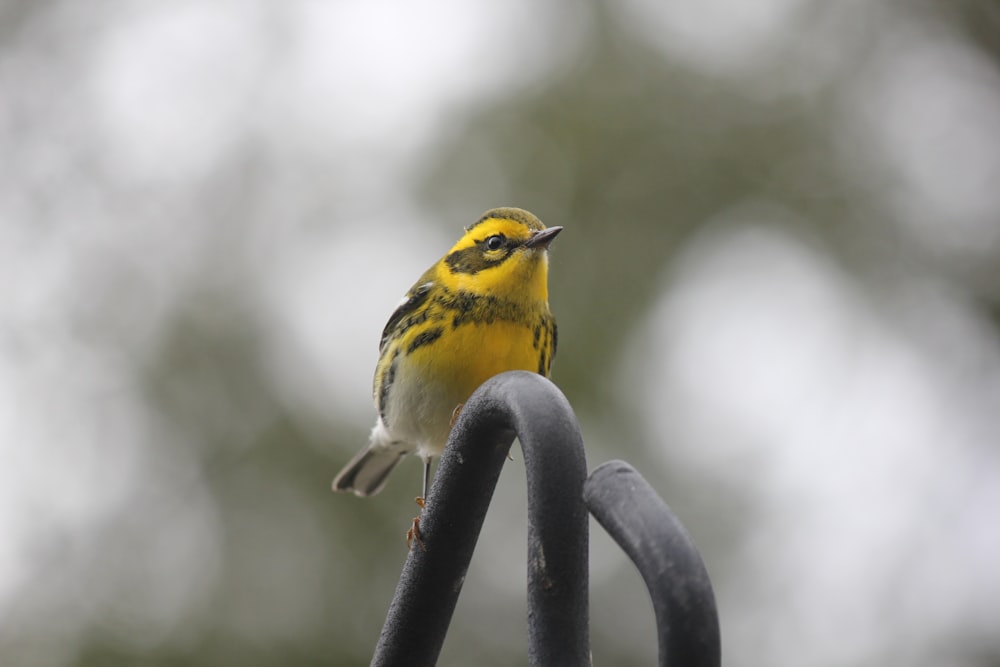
{"points": [[642, 524], [532, 408]]}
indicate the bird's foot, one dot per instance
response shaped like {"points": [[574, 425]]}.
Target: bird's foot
{"points": [[455, 413], [413, 534]]}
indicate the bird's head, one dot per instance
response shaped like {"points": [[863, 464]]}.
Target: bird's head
{"points": [[505, 254]]}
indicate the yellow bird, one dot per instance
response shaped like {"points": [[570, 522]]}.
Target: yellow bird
{"points": [[480, 310]]}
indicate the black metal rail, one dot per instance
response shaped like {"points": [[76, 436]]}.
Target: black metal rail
{"points": [[559, 495], [531, 407], [645, 527]]}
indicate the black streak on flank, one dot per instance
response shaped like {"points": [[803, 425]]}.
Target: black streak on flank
{"points": [[387, 380], [425, 338]]}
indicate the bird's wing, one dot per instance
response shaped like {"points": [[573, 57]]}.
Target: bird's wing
{"points": [[413, 299]]}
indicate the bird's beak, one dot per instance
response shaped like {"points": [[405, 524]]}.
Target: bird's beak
{"points": [[543, 238]]}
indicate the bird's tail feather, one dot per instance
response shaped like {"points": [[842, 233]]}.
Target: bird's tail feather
{"points": [[366, 473]]}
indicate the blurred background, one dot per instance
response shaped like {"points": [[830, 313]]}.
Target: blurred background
{"points": [[778, 294]]}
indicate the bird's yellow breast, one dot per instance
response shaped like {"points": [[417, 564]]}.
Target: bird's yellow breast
{"points": [[423, 385], [474, 352]]}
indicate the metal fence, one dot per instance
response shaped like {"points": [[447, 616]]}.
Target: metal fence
{"points": [[560, 495]]}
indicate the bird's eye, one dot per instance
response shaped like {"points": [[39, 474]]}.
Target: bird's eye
{"points": [[494, 242]]}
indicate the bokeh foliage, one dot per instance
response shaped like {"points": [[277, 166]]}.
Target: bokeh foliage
{"points": [[142, 328]]}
